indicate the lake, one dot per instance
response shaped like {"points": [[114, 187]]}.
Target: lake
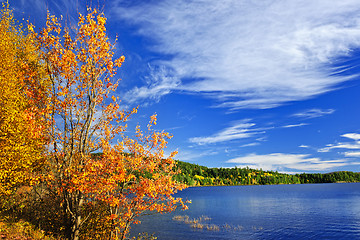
{"points": [[304, 211]]}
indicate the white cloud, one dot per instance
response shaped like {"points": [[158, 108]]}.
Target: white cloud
{"points": [[352, 154], [185, 155], [346, 145], [314, 113], [295, 125], [69, 9], [354, 136], [340, 146], [253, 54], [159, 83], [304, 146], [282, 162], [239, 130], [250, 144]]}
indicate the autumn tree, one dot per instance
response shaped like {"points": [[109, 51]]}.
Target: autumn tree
{"points": [[23, 92], [131, 175]]}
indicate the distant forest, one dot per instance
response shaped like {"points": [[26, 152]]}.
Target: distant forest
{"points": [[195, 175]]}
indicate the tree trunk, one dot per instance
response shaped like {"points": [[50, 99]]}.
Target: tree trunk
{"points": [[73, 218], [76, 228]]}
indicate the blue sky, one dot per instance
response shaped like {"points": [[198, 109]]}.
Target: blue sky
{"points": [[265, 84]]}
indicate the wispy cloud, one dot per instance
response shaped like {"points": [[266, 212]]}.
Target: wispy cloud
{"points": [[186, 155], [304, 146], [340, 146], [250, 144], [286, 162], [239, 130], [352, 154], [295, 125], [314, 113], [253, 54], [354, 136], [158, 83], [355, 144], [69, 9]]}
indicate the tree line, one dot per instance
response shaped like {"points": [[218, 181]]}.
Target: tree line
{"points": [[195, 175]]}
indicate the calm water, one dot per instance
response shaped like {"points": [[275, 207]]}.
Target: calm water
{"points": [[308, 211]]}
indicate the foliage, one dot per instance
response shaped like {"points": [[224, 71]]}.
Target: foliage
{"points": [[131, 176], [23, 91], [195, 175], [13, 228], [21, 230], [57, 109]]}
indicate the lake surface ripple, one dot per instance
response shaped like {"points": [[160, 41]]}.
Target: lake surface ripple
{"points": [[307, 211]]}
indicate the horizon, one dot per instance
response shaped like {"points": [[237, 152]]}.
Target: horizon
{"points": [[271, 85]]}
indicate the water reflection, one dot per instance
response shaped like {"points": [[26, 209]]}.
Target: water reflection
{"points": [[326, 211]]}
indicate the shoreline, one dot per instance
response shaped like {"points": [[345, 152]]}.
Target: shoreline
{"points": [[338, 182]]}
